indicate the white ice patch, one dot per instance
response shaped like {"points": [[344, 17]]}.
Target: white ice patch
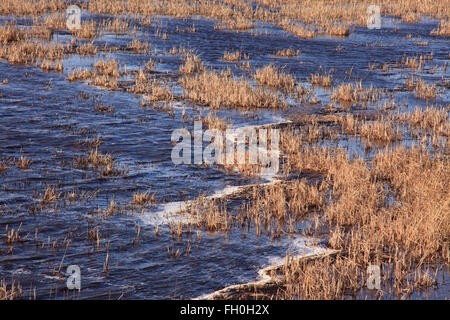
{"points": [[299, 247], [175, 212], [167, 213]]}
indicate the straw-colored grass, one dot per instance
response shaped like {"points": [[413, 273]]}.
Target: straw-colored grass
{"points": [[143, 198], [411, 62], [23, 162], [214, 122], [323, 80], [118, 26], [3, 166], [300, 31], [50, 66], [103, 163], [55, 21], [12, 293], [289, 52], [220, 90], [50, 195], [348, 93], [421, 89], [140, 46], [443, 29], [192, 64], [234, 56], [88, 30], [10, 33], [108, 68], [30, 7], [393, 212], [30, 52], [275, 78]]}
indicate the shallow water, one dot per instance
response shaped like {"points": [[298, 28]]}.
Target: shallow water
{"points": [[43, 117]]}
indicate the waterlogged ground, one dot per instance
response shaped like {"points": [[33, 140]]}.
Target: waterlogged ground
{"points": [[47, 119]]}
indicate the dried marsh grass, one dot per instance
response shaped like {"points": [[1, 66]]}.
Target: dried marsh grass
{"points": [[9, 33], [154, 90], [300, 31], [50, 66], [275, 78], [443, 29], [319, 279], [118, 26], [143, 198], [112, 209], [411, 63], [86, 49], [214, 122], [414, 226], [50, 195], [392, 213], [316, 16], [350, 94], [323, 80], [30, 52], [421, 89], [220, 90], [30, 7], [87, 31], [140, 46], [238, 24], [55, 21], [391, 210], [3, 166], [434, 119], [106, 73], [14, 292], [287, 53], [23, 163], [103, 163], [192, 64], [109, 67], [80, 74], [234, 56]]}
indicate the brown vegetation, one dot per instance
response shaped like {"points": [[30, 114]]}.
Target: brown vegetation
{"points": [[323, 80], [348, 93], [443, 29], [232, 56], [192, 64], [14, 291], [421, 89], [287, 52], [219, 89], [275, 78], [23, 163], [143, 198]]}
